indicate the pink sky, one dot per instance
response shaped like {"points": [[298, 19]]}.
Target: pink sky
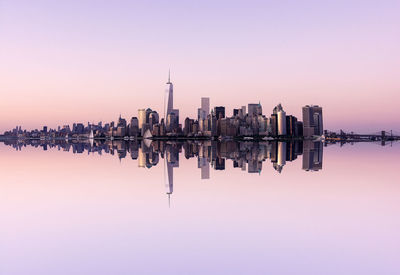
{"points": [[89, 61]]}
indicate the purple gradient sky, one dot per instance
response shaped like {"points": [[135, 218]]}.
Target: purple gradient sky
{"points": [[92, 60]]}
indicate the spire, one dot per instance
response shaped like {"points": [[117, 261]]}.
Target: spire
{"points": [[169, 200], [169, 76]]}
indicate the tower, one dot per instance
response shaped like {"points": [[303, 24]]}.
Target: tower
{"points": [[205, 107], [312, 121], [281, 119], [169, 97]]}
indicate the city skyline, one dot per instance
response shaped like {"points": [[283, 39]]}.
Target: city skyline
{"points": [[246, 123], [341, 56], [199, 137]]}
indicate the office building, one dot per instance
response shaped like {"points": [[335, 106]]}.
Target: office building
{"points": [[141, 117], [254, 109], [312, 121], [281, 119], [205, 107], [219, 112]]}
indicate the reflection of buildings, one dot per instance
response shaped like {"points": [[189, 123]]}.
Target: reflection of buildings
{"points": [[281, 156], [171, 157], [248, 156], [244, 155], [203, 161], [168, 179], [312, 155]]}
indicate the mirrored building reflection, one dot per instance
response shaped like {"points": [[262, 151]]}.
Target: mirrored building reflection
{"points": [[312, 155], [211, 154]]}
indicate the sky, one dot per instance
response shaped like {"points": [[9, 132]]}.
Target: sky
{"points": [[85, 61]]}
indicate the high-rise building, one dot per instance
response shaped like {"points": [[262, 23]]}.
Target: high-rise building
{"points": [[219, 112], [281, 119], [121, 127], [172, 122], [176, 114], [244, 110], [134, 127], [169, 97], [152, 118], [291, 125], [274, 125], [200, 114], [254, 109], [188, 126], [312, 121], [205, 107], [141, 117]]}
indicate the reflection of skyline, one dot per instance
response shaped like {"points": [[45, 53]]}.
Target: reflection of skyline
{"points": [[248, 156]]}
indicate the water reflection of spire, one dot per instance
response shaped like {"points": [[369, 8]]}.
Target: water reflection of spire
{"points": [[168, 179]]}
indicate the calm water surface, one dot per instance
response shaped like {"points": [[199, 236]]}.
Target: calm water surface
{"points": [[66, 213]]}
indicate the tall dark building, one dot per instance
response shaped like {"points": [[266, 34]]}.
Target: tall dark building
{"points": [[134, 127], [274, 125], [312, 121], [291, 125], [219, 112]]}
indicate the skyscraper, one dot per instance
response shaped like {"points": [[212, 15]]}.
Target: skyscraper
{"points": [[205, 107], [254, 109], [169, 97], [141, 117], [281, 118], [312, 120], [219, 112]]}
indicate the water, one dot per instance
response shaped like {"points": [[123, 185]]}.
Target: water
{"points": [[80, 213]]}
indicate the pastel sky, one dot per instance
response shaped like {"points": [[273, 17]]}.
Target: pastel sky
{"points": [[69, 61]]}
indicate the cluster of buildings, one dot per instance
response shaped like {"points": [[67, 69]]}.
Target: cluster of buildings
{"points": [[246, 121]]}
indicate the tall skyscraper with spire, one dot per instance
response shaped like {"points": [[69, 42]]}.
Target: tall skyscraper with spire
{"points": [[169, 97]]}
